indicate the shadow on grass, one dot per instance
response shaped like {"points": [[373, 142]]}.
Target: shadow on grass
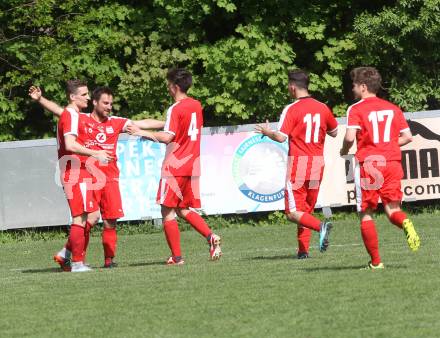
{"points": [[46, 270], [273, 258], [147, 263], [352, 268], [320, 268]]}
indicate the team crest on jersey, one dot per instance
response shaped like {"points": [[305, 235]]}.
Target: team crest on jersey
{"points": [[101, 137], [109, 130], [259, 169]]}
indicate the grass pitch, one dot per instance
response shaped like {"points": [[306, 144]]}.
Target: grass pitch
{"points": [[258, 289]]}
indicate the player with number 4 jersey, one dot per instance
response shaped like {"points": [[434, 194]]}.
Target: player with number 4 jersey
{"points": [[380, 129], [305, 124], [179, 185]]}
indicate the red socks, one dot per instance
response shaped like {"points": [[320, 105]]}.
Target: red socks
{"points": [[198, 223], [369, 235], [308, 221], [397, 218], [109, 240], [87, 230], [304, 235], [172, 234], [76, 240]]}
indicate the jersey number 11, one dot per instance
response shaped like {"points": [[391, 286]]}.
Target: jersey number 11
{"points": [[310, 121]]}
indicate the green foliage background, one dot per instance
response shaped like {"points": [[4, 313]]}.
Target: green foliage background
{"points": [[238, 51]]}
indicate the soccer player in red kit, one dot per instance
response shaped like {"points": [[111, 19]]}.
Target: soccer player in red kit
{"points": [[73, 158], [380, 129], [305, 123], [179, 184], [102, 132]]}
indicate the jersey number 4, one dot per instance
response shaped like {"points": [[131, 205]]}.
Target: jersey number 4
{"points": [[313, 125], [192, 130], [380, 116]]}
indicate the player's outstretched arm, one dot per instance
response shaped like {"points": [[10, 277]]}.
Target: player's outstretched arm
{"points": [[36, 95], [149, 124], [162, 137], [272, 134], [405, 137], [350, 136], [103, 156]]}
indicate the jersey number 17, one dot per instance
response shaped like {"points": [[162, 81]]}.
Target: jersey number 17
{"points": [[380, 116]]}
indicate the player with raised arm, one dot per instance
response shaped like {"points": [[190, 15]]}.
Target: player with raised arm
{"points": [[73, 158], [305, 124], [179, 184], [380, 129], [102, 132]]}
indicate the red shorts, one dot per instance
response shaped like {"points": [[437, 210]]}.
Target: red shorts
{"points": [[373, 181], [301, 198], [179, 192], [109, 199], [80, 195]]}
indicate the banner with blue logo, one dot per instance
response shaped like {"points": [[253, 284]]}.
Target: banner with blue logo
{"points": [[241, 172]]}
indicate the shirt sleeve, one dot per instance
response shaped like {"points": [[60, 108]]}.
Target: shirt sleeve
{"points": [[353, 118], [285, 123], [402, 123], [332, 124], [69, 123], [122, 124], [171, 122]]}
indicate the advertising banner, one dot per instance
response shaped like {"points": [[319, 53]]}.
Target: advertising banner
{"points": [[241, 172], [244, 172]]}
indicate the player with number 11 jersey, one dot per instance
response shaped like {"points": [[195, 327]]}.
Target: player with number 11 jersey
{"points": [[304, 124]]}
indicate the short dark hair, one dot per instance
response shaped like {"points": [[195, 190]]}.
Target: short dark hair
{"points": [[98, 91], [299, 78], [180, 77], [368, 76], [73, 85]]}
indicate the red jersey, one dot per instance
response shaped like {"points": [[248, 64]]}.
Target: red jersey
{"points": [[185, 122], [305, 123], [104, 136], [379, 124], [71, 122]]}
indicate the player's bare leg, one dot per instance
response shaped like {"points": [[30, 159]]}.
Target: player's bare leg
{"points": [[109, 242], [172, 235], [309, 221], [401, 220], [199, 224]]}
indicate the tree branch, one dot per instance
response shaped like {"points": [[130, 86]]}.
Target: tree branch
{"points": [[11, 65]]}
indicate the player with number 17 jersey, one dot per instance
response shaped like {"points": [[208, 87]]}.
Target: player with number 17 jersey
{"points": [[379, 124], [182, 158]]}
